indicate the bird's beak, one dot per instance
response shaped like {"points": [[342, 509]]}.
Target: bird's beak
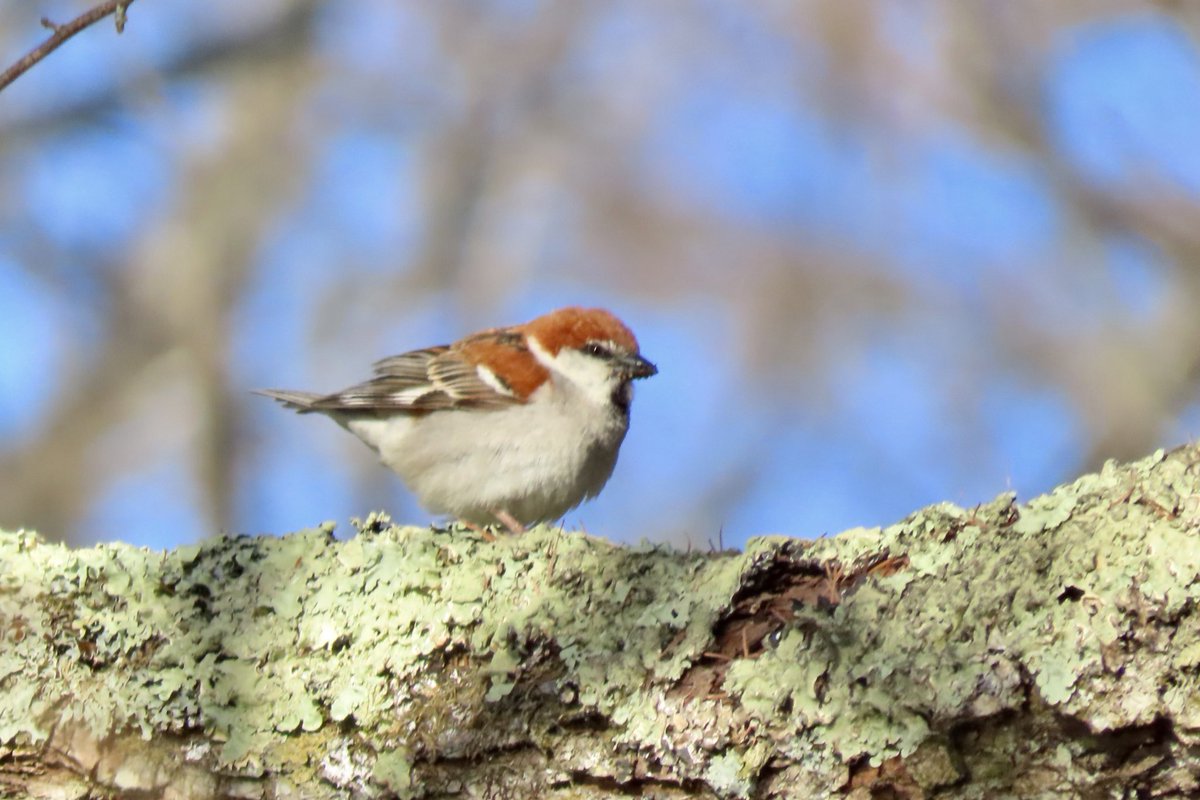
{"points": [[634, 366]]}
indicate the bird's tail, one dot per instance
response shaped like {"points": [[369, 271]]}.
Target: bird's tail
{"points": [[297, 401]]}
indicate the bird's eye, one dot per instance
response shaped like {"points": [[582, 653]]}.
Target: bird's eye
{"points": [[597, 350]]}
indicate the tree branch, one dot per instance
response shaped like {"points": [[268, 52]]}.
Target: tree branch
{"points": [[63, 32], [1036, 650]]}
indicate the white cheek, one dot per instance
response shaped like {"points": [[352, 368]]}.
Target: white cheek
{"points": [[591, 377]]}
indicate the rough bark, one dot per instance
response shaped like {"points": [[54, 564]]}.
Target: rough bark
{"points": [[1047, 649]]}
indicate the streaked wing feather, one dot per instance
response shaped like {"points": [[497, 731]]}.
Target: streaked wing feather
{"points": [[412, 366], [420, 381], [460, 379]]}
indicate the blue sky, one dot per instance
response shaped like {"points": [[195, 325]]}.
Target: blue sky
{"points": [[952, 217]]}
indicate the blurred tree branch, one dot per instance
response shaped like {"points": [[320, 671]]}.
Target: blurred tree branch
{"points": [[164, 343], [63, 32], [245, 48]]}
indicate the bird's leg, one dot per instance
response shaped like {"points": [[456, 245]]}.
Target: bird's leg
{"points": [[509, 521]]}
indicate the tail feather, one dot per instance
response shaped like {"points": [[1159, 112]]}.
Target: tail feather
{"points": [[297, 401]]}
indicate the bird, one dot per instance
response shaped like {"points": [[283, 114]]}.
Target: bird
{"points": [[512, 426]]}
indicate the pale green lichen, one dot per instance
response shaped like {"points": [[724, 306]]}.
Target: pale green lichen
{"points": [[247, 638], [726, 775], [396, 648], [1048, 588], [393, 771]]}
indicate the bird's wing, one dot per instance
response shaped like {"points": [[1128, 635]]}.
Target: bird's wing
{"points": [[431, 379]]}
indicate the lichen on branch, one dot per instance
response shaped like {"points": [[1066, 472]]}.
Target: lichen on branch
{"points": [[1058, 636]]}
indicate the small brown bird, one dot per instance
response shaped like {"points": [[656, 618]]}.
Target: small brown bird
{"points": [[515, 425]]}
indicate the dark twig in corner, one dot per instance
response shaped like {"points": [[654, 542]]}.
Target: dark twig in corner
{"points": [[63, 32]]}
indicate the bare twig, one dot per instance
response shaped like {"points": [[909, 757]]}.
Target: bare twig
{"points": [[63, 32]]}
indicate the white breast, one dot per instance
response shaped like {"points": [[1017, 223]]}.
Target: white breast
{"points": [[536, 460]]}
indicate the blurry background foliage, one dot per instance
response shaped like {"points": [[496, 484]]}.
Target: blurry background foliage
{"points": [[885, 253]]}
